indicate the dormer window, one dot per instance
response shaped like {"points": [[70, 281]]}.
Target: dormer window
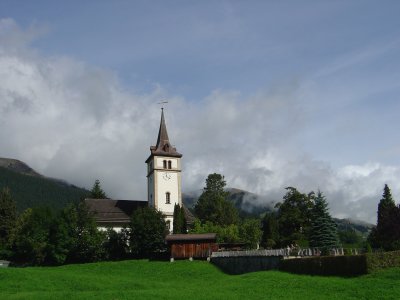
{"points": [[164, 164], [167, 198], [169, 164]]}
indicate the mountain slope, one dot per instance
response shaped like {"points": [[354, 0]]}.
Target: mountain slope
{"points": [[17, 166], [29, 189]]}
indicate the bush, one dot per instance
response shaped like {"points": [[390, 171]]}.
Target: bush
{"points": [[377, 261], [350, 265], [326, 265]]}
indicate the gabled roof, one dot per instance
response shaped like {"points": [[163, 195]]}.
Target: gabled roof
{"points": [[191, 237], [163, 146], [113, 211]]}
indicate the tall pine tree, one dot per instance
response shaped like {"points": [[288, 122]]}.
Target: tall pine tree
{"points": [[8, 219], [323, 231], [179, 225], [97, 192], [386, 234]]}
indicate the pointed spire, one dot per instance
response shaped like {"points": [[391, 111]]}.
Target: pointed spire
{"points": [[163, 146], [162, 138]]}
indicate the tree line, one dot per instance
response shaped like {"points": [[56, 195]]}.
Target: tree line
{"points": [[43, 236], [300, 219]]}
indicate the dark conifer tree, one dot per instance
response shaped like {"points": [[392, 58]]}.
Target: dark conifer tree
{"points": [[179, 225], [96, 192], [323, 231], [270, 235], [386, 234], [8, 219]]}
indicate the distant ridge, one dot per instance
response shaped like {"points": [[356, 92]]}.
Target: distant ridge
{"points": [[29, 188], [18, 166]]}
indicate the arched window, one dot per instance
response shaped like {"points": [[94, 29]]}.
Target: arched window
{"points": [[169, 164], [164, 164], [168, 198]]}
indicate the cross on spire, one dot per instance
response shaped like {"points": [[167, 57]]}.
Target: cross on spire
{"points": [[162, 104]]}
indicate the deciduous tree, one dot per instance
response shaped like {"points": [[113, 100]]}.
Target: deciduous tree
{"points": [[147, 232], [31, 241], [212, 205], [294, 216]]}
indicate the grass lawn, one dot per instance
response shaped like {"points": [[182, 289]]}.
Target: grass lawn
{"points": [[185, 280]]}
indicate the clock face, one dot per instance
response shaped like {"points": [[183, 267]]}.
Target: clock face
{"points": [[167, 176]]}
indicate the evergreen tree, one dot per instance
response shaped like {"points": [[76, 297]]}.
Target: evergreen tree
{"points": [[179, 220], [212, 205], [147, 232], [8, 219], [323, 231], [386, 234], [96, 192], [386, 207], [270, 231]]}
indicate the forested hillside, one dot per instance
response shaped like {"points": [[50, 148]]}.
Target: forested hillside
{"points": [[29, 191]]}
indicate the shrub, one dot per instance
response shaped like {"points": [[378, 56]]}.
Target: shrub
{"points": [[376, 261], [326, 265]]}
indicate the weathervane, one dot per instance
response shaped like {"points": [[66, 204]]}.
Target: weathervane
{"points": [[162, 103]]}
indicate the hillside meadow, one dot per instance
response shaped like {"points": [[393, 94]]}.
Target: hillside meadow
{"points": [[142, 279]]}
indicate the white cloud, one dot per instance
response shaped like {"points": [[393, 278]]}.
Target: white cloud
{"points": [[74, 121]]}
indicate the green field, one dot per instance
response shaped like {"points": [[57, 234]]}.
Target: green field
{"points": [[185, 280]]}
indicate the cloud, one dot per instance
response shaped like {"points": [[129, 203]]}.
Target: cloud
{"points": [[74, 121]]}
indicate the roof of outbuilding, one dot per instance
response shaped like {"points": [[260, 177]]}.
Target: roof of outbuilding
{"points": [[113, 211], [191, 237]]}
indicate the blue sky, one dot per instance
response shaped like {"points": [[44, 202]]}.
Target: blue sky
{"points": [[269, 93]]}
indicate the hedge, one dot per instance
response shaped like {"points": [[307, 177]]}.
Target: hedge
{"points": [[376, 261], [352, 265], [326, 265]]}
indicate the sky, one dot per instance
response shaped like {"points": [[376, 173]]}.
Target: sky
{"points": [[268, 93]]}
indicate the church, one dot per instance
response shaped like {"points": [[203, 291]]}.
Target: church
{"points": [[163, 188]]}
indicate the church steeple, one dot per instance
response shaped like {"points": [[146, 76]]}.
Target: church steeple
{"points": [[163, 146], [164, 175], [162, 138]]}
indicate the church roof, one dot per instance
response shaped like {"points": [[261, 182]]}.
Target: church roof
{"points": [[163, 146], [107, 211]]}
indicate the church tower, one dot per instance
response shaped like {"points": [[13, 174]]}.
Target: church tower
{"points": [[164, 175]]}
